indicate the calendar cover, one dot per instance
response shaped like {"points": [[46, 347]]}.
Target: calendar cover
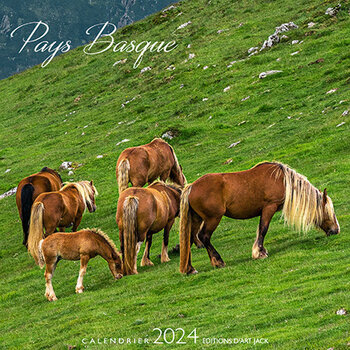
{"points": [[174, 175]]}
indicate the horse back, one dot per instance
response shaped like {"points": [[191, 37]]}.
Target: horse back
{"points": [[68, 246], [240, 194], [42, 182]]}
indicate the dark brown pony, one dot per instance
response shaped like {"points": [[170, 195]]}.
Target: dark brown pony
{"points": [[144, 164], [259, 191], [62, 209], [82, 245], [28, 190], [142, 212]]}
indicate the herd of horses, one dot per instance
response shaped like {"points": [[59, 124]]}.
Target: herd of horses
{"points": [[45, 204]]}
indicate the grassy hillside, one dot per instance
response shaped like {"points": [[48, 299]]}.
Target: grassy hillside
{"points": [[292, 297]]}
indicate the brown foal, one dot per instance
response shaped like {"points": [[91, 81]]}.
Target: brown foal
{"points": [[82, 245]]}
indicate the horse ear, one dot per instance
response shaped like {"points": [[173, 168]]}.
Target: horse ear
{"points": [[325, 196], [91, 183]]}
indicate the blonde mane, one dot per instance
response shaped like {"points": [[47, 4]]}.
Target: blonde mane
{"points": [[303, 203], [85, 189], [106, 238], [177, 165]]}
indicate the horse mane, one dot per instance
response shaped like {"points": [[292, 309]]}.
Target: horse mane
{"points": [[303, 203], [84, 189], [171, 185], [105, 238], [45, 169]]}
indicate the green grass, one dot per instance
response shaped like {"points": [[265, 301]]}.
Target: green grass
{"points": [[292, 297]]}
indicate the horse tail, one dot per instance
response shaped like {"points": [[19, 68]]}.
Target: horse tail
{"points": [[41, 258], [130, 207], [36, 230], [26, 206], [185, 229], [123, 175]]}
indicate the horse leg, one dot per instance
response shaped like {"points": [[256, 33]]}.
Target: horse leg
{"points": [[84, 259], [164, 255], [165, 175], [76, 223], [139, 181], [258, 250], [137, 249], [190, 269], [205, 234], [145, 259], [121, 240], [49, 270], [197, 224]]}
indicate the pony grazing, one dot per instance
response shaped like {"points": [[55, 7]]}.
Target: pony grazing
{"points": [[62, 209], [28, 190], [144, 164], [142, 212], [82, 245], [259, 191]]}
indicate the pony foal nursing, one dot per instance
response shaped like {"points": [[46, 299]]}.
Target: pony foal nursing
{"points": [[62, 209], [142, 212], [28, 190], [144, 164], [82, 245], [259, 191]]}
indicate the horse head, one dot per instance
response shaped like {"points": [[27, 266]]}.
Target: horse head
{"points": [[116, 267], [329, 222]]}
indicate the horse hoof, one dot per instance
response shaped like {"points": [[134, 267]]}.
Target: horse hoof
{"points": [[147, 263], [165, 260], [263, 255], [79, 290], [217, 263], [192, 272]]}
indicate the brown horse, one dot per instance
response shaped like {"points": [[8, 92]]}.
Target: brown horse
{"points": [[28, 190], [259, 191], [144, 164], [82, 245], [142, 212], [62, 209]]}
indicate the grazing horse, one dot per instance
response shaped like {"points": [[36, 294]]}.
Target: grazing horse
{"points": [[28, 190], [62, 209], [144, 164], [142, 212], [259, 191], [82, 245]]}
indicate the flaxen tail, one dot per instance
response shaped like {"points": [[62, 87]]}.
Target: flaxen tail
{"points": [[185, 229], [123, 175], [26, 206], [130, 207], [41, 259], [36, 230]]}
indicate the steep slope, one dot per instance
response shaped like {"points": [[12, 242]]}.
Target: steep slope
{"points": [[80, 106]]}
